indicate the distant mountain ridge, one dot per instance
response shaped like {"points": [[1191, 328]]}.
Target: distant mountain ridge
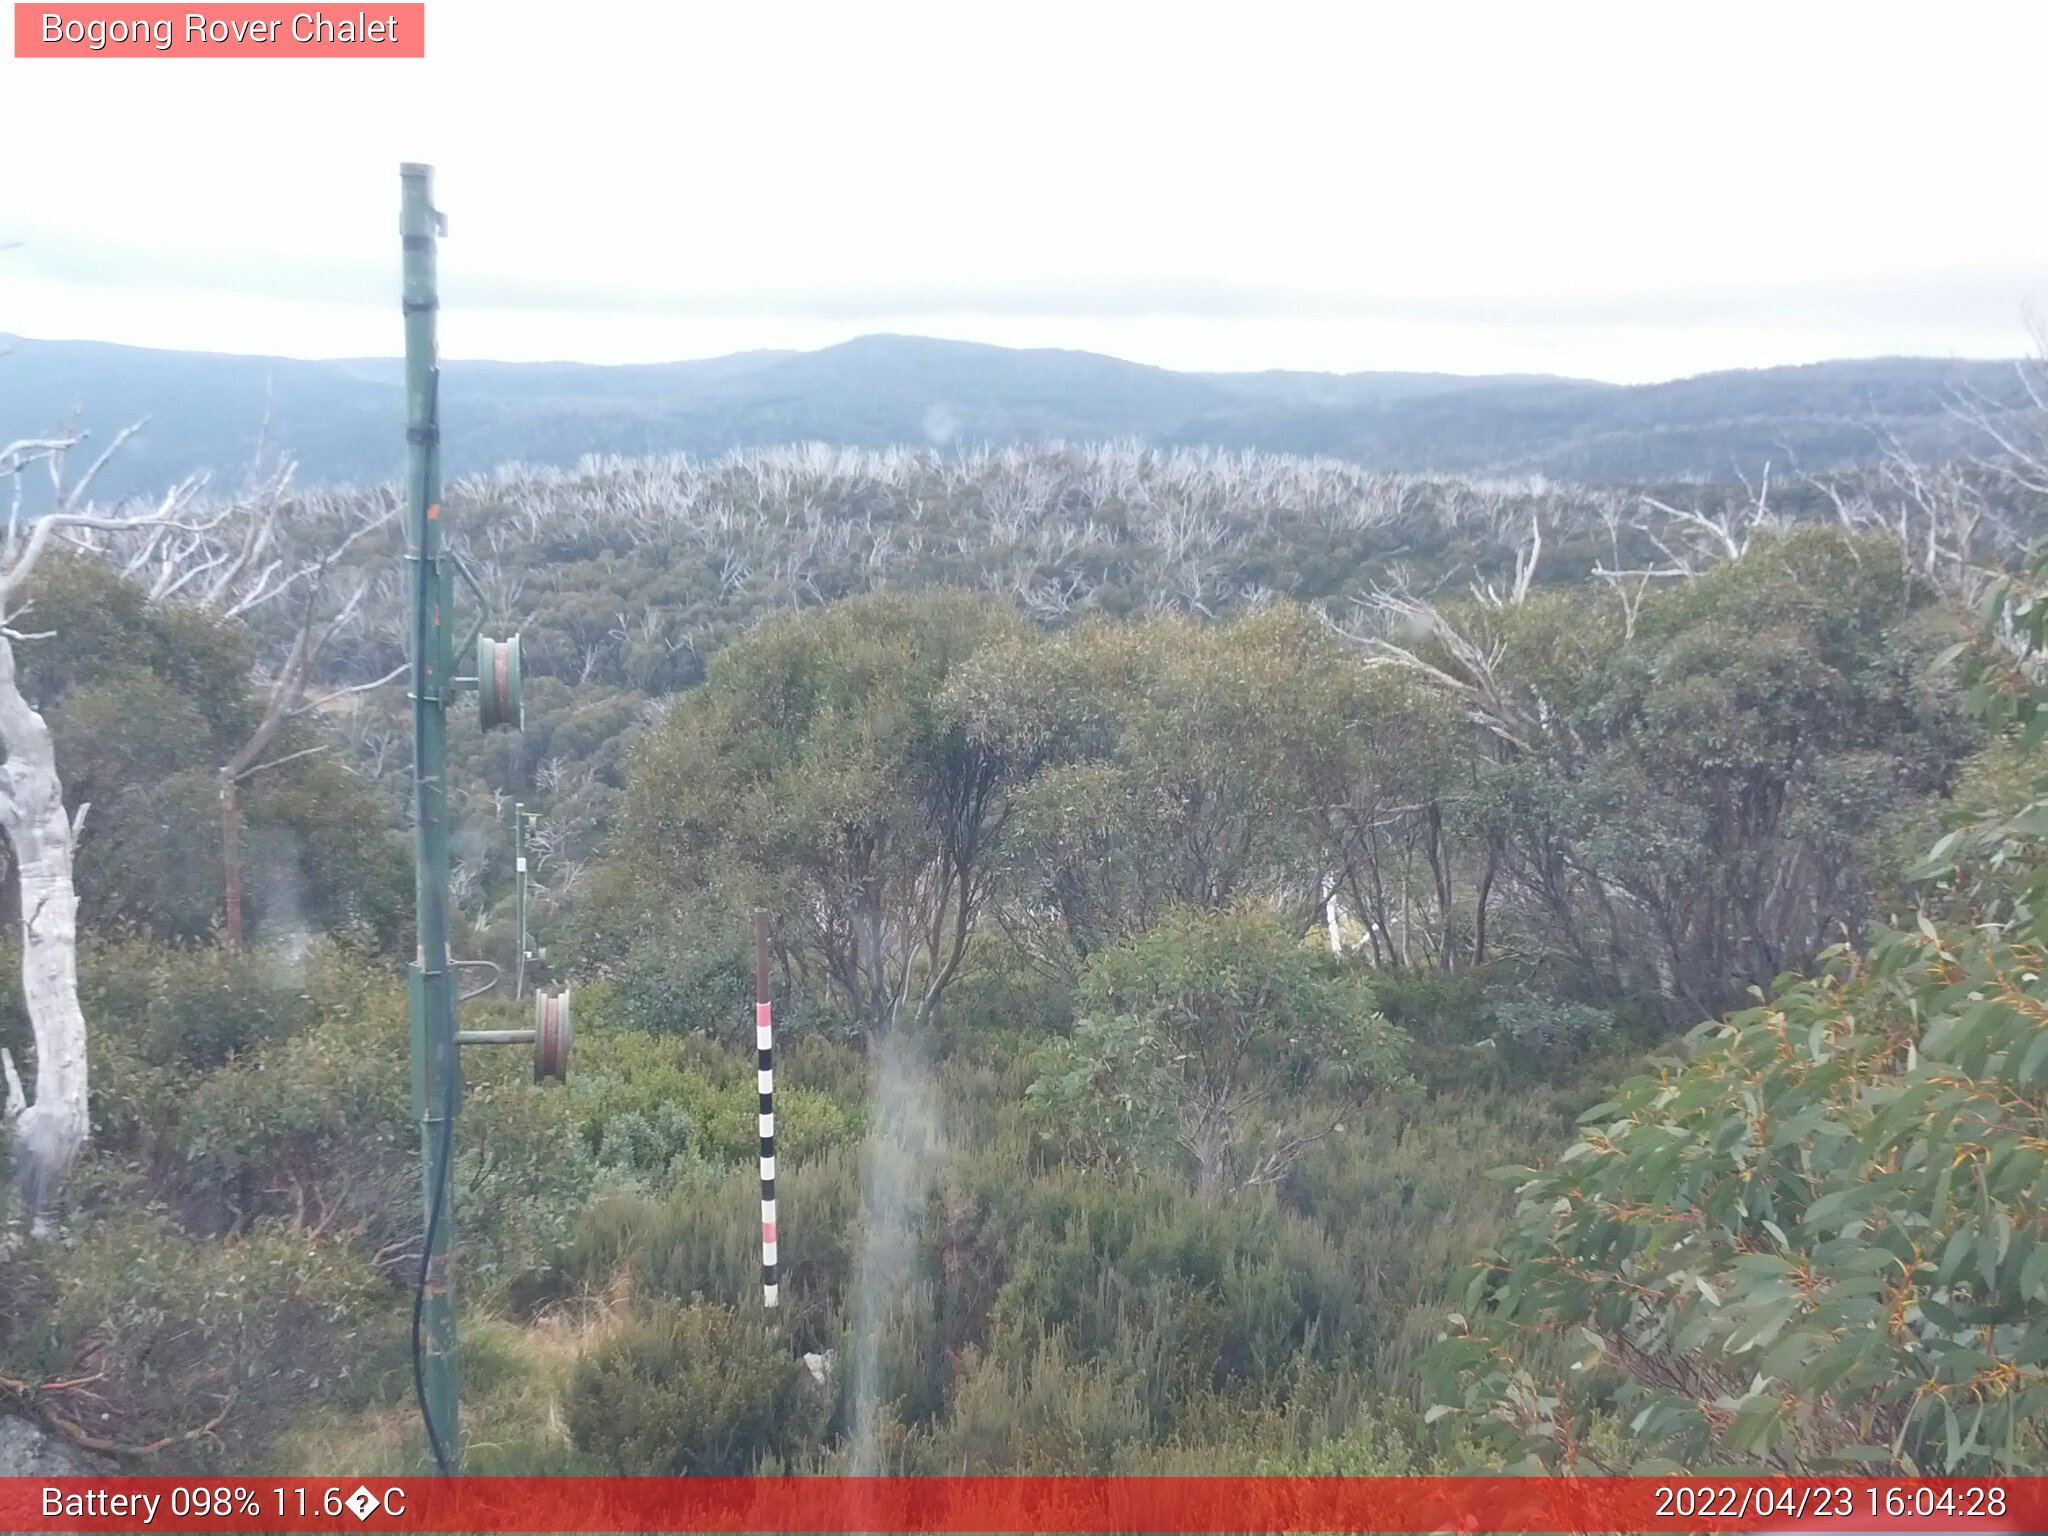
{"points": [[341, 419]]}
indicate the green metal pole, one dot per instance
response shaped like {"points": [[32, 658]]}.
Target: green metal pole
{"points": [[433, 667], [519, 870]]}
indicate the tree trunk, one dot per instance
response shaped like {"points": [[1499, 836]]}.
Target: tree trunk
{"points": [[231, 859], [1205, 1136], [1440, 872], [1485, 894], [50, 1130], [878, 1008]]}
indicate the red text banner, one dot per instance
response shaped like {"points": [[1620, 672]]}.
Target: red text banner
{"points": [[225, 31], [996, 1504]]}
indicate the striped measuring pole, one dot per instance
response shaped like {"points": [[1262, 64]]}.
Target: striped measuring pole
{"points": [[764, 1046]]}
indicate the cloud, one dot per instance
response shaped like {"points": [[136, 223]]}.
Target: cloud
{"points": [[1967, 299]]}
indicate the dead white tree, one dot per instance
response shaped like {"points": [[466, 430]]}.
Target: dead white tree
{"points": [[48, 1128], [1527, 555], [1412, 634]]}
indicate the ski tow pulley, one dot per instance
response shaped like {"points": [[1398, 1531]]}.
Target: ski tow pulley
{"points": [[499, 700], [552, 1035]]}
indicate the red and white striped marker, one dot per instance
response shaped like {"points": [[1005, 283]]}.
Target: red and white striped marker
{"points": [[764, 1047]]}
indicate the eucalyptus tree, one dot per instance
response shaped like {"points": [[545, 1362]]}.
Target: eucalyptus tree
{"points": [[820, 770], [1164, 780], [1218, 1038], [1812, 1240], [1192, 764], [1681, 786], [266, 561]]}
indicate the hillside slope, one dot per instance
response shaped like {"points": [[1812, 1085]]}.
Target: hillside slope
{"points": [[338, 417]]}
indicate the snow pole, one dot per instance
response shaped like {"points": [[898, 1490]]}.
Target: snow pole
{"points": [[764, 1047]]}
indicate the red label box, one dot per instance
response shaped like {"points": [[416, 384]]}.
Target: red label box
{"points": [[373, 30], [1075, 1506]]}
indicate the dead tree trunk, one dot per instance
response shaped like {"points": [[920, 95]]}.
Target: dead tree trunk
{"points": [[49, 1128], [49, 1131]]}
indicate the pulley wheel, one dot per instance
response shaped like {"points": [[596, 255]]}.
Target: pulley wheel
{"points": [[552, 1034], [497, 683]]}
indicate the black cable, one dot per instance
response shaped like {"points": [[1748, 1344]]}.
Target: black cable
{"points": [[419, 1295], [438, 1005], [437, 1204]]}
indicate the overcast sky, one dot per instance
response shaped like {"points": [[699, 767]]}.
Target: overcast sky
{"points": [[1631, 192]]}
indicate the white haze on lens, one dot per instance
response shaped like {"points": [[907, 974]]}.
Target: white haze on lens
{"points": [[905, 1141]]}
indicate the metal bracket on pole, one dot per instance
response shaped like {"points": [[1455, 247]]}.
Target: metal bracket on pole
{"points": [[550, 1036]]}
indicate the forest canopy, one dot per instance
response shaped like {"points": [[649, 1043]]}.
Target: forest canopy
{"points": [[1188, 874]]}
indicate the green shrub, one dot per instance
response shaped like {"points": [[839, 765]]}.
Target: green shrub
{"points": [[1054, 1411], [1435, 1007], [1408, 1200], [696, 1389], [696, 978], [703, 1240], [204, 1346], [523, 1177], [1001, 992], [198, 1007], [1218, 1040], [643, 1100], [1369, 1448], [314, 1126], [643, 1141], [239, 1086], [824, 1065], [1539, 1038], [1811, 1240], [1208, 1295], [315, 1129]]}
